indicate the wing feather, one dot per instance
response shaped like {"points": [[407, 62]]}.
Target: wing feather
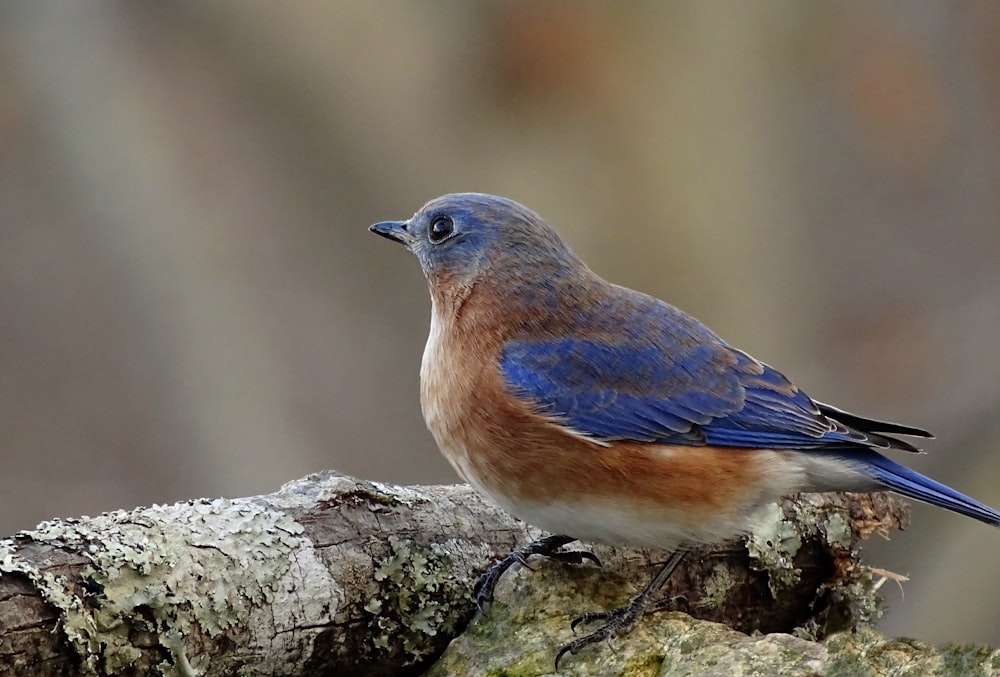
{"points": [[699, 392]]}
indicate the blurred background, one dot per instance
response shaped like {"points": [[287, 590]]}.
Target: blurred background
{"points": [[190, 303]]}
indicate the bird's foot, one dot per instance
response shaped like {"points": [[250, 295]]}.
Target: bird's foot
{"points": [[618, 622], [548, 546]]}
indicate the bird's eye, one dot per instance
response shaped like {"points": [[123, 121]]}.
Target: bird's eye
{"points": [[440, 228]]}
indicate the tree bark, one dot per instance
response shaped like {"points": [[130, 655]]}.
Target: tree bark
{"points": [[333, 575]]}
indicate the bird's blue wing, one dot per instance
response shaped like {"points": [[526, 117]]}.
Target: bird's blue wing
{"points": [[680, 389]]}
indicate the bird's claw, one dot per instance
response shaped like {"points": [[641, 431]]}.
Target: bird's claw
{"points": [[667, 603], [617, 622], [547, 546], [483, 589], [575, 557], [590, 617]]}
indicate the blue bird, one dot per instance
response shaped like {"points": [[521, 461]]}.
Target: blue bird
{"points": [[601, 413]]}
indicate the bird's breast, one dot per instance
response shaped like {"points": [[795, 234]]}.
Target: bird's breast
{"points": [[480, 428], [446, 382]]}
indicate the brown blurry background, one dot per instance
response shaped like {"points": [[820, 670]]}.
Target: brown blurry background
{"points": [[190, 303]]}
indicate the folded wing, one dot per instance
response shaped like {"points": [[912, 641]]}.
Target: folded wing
{"points": [[686, 389]]}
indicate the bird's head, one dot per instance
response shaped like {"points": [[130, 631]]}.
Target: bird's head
{"points": [[462, 237]]}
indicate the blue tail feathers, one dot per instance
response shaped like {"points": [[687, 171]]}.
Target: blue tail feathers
{"points": [[913, 485]]}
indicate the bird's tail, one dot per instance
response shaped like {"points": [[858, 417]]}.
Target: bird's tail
{"points": [[913, 485]]}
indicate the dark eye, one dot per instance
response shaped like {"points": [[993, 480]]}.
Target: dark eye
{"points": [[441, 227]]}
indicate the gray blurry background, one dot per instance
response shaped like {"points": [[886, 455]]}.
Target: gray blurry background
{"points": [[190, 303]]}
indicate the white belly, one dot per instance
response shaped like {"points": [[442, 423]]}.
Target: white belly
{"points": [[620, 524]]}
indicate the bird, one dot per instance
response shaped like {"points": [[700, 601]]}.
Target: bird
{"points": [[599, 413]]}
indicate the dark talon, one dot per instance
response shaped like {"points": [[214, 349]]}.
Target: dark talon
{"points": [[619, 622], [667, 603], [562, 652], [547, 546], [576, 557], [589, 617], [623, 619]]}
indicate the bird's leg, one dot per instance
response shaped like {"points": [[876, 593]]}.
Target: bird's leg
{"points": [[619, 621], [548, 546]]}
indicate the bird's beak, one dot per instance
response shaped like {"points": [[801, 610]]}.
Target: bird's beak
{"points": [[393, 230]]}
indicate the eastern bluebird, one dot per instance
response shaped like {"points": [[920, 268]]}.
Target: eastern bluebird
{"points": [[600, 413]]}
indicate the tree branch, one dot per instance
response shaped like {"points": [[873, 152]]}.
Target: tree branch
{"points": [[332, 575]]}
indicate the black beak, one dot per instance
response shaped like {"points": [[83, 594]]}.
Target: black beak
{"points": [[393, 230]]}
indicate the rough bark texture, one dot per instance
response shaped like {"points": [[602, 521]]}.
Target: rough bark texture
{"points": [[332, 575]]}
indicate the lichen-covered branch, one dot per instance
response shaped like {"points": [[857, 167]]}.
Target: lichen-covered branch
{"points": [[332, 575], [328, 573]]}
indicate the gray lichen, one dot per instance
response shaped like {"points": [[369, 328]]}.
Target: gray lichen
{"points": [[410, 604], [166, 572], [773, 546]]}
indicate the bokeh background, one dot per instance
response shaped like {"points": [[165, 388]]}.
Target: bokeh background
{"points": [[190, 304]]}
